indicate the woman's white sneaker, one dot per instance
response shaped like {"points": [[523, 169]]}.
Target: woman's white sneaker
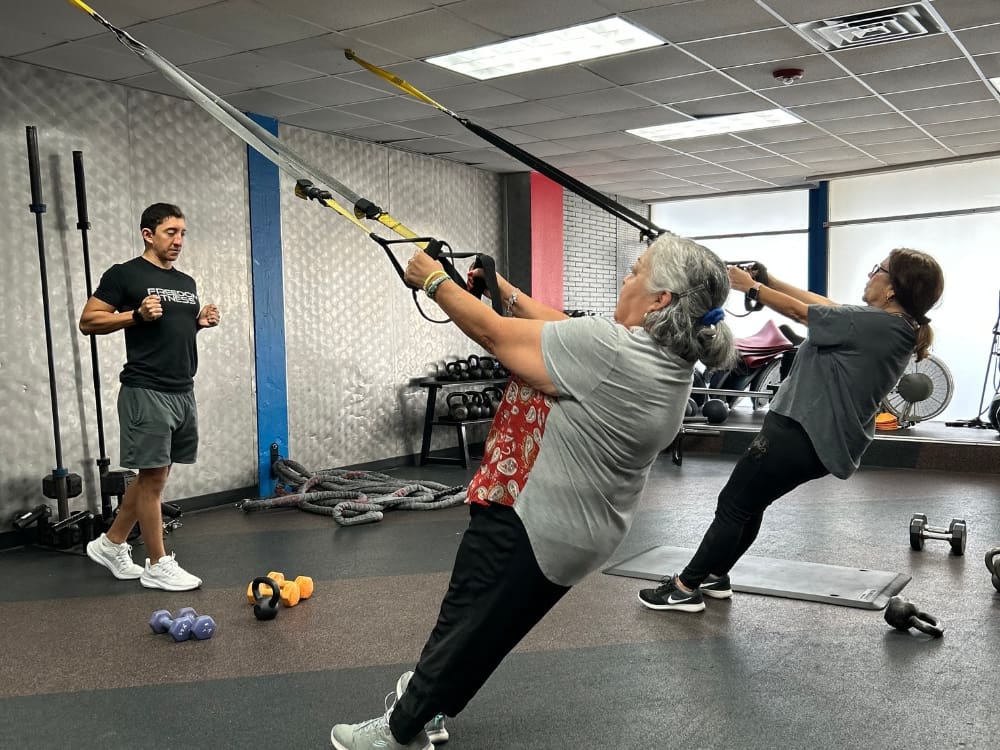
{"points": [[115, 557], [166, 574]]}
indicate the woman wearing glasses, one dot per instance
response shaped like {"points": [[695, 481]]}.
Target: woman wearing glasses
{"points": [[823, 417]]}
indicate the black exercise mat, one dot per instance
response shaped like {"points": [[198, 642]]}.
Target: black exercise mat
{"points": [[814, 582]]}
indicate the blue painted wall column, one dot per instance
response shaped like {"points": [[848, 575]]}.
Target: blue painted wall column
{"points": [[268, 310], [819, 237]]}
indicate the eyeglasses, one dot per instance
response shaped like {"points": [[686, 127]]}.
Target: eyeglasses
{"points": [[876, 268]]}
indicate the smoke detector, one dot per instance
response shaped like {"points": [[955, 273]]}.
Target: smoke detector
{"points": [[860, 29], [788, 76]]}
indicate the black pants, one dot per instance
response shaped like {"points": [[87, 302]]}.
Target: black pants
{"points": [[496, 595], [778, 460]]}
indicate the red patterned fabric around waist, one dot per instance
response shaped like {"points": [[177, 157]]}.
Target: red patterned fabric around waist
{"points": [[512, 445]]}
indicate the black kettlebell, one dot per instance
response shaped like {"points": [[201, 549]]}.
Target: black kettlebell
{"points": [[493, 396], [489, 366], [903, 614], [453, 370], [715, 411], [691, 409], [458, 406], [475, 404], [265, 608], [475, 368], [993, 565]]}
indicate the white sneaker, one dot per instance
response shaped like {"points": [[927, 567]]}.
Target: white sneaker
{"points": [[166, 574], [115, 557]]}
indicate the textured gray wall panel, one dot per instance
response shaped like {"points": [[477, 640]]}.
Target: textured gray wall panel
{"points": [[354, 336], [138, 148]]}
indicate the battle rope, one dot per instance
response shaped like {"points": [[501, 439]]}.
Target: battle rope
{"points": [[354, 497], [647, 229], [285, 158]]}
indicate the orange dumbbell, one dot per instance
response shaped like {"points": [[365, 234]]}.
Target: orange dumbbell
{"points": [[291, 591]]}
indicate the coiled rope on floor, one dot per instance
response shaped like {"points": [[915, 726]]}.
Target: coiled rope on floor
{"points": [[354, 497]]}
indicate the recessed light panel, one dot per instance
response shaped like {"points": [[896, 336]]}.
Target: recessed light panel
{"points": [[675, 131], [587, 41]]}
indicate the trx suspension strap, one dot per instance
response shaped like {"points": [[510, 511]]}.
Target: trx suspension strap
{"points": [[647, 229], [273, 149]]}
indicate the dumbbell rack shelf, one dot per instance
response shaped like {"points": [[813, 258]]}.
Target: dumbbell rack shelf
{"points": [[433, 385]]}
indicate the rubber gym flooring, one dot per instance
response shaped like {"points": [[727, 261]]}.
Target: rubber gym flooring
{"points": [[81, 668]]}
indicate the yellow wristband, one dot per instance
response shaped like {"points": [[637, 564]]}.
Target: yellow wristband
{"points": [[433, 275]]}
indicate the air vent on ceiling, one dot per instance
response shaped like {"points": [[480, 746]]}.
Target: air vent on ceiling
{"points": [[889, 25]]}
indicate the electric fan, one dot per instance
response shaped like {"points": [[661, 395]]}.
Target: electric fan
{"points": [[923, 392]]}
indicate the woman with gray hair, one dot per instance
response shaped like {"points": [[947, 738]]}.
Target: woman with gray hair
{"points": [[591, 404]]}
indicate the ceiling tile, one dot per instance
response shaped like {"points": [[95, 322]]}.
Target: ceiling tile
{"points": [[755, 47], [817, 93], [761, 75], [432, 32], [339, 16], [243, 24], [326, 54], [706, 143], [704, 19], [267, 103], [961, 14], [178, 46], [156, 82], [902, 54], [954, 112], [782, 134], [514, 115], [982, 41], [646, 65], [865, 105], [819, 143], [251, 69], [685, 88], [473, 96], [988, 64], [510, 19], [596, 102], [576, 158], [959, 93], [545, 149], [568, 127], [730, 156], [971, 139], [922, 76], [986, 149], [916, 157], [85, 59], [327, 120], [390, 109], [433, 146], [538, 84], [960, 127], [901, 147], [865, 124], [890, 135], [603, 140], [724, 105], [382, 133], [792, 170], [14, 42], [327, 91]]}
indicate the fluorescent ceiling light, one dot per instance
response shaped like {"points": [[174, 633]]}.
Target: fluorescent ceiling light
{"points": [[587, 41], [676, 131], [996, 83]]}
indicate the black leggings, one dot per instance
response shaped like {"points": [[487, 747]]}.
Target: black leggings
{"points": [[778, 460], [496, 595]]}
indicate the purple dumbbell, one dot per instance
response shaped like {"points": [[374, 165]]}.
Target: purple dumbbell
{"points": [[187, 624]]}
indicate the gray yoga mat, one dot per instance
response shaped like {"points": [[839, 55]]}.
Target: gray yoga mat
{"points": [[814, 582]]}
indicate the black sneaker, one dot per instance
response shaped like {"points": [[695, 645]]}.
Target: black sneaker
{"points": [[717, 587], [669, 596]]}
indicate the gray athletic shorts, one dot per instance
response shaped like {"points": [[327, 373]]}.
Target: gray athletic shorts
{"points": [[157, 428]]}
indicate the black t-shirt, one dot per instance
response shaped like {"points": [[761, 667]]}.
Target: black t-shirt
{"points": [[161, 355]]}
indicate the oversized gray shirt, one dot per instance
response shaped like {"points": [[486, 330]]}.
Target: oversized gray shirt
{"points": [[852, 358], [621, 402]]}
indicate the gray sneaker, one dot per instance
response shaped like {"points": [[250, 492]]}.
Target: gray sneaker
{"points": [[115, 557], [374, 734], [166, 574], [436, 731]]}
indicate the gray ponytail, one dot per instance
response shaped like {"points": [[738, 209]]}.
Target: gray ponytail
{"points": [[699, 283]]}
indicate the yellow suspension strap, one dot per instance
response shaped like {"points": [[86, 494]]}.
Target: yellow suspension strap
{"points": [[647, 229]]}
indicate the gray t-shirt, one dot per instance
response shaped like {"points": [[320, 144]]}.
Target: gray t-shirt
{"points": [[621, 402], [852, 358]]}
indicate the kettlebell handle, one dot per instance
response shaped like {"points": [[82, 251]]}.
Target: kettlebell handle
{"points": [[265, 608]]}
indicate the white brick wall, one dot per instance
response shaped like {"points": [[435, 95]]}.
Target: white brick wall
{"points": [[598, 251]]}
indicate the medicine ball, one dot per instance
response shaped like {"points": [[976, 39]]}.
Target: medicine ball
{"points": [[715, 411]]}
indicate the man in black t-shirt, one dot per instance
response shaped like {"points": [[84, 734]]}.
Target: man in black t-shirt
{"points": [[158, 308]]}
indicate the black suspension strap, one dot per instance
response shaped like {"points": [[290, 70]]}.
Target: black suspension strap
{"points": [[647, 229], [759, 272]]}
